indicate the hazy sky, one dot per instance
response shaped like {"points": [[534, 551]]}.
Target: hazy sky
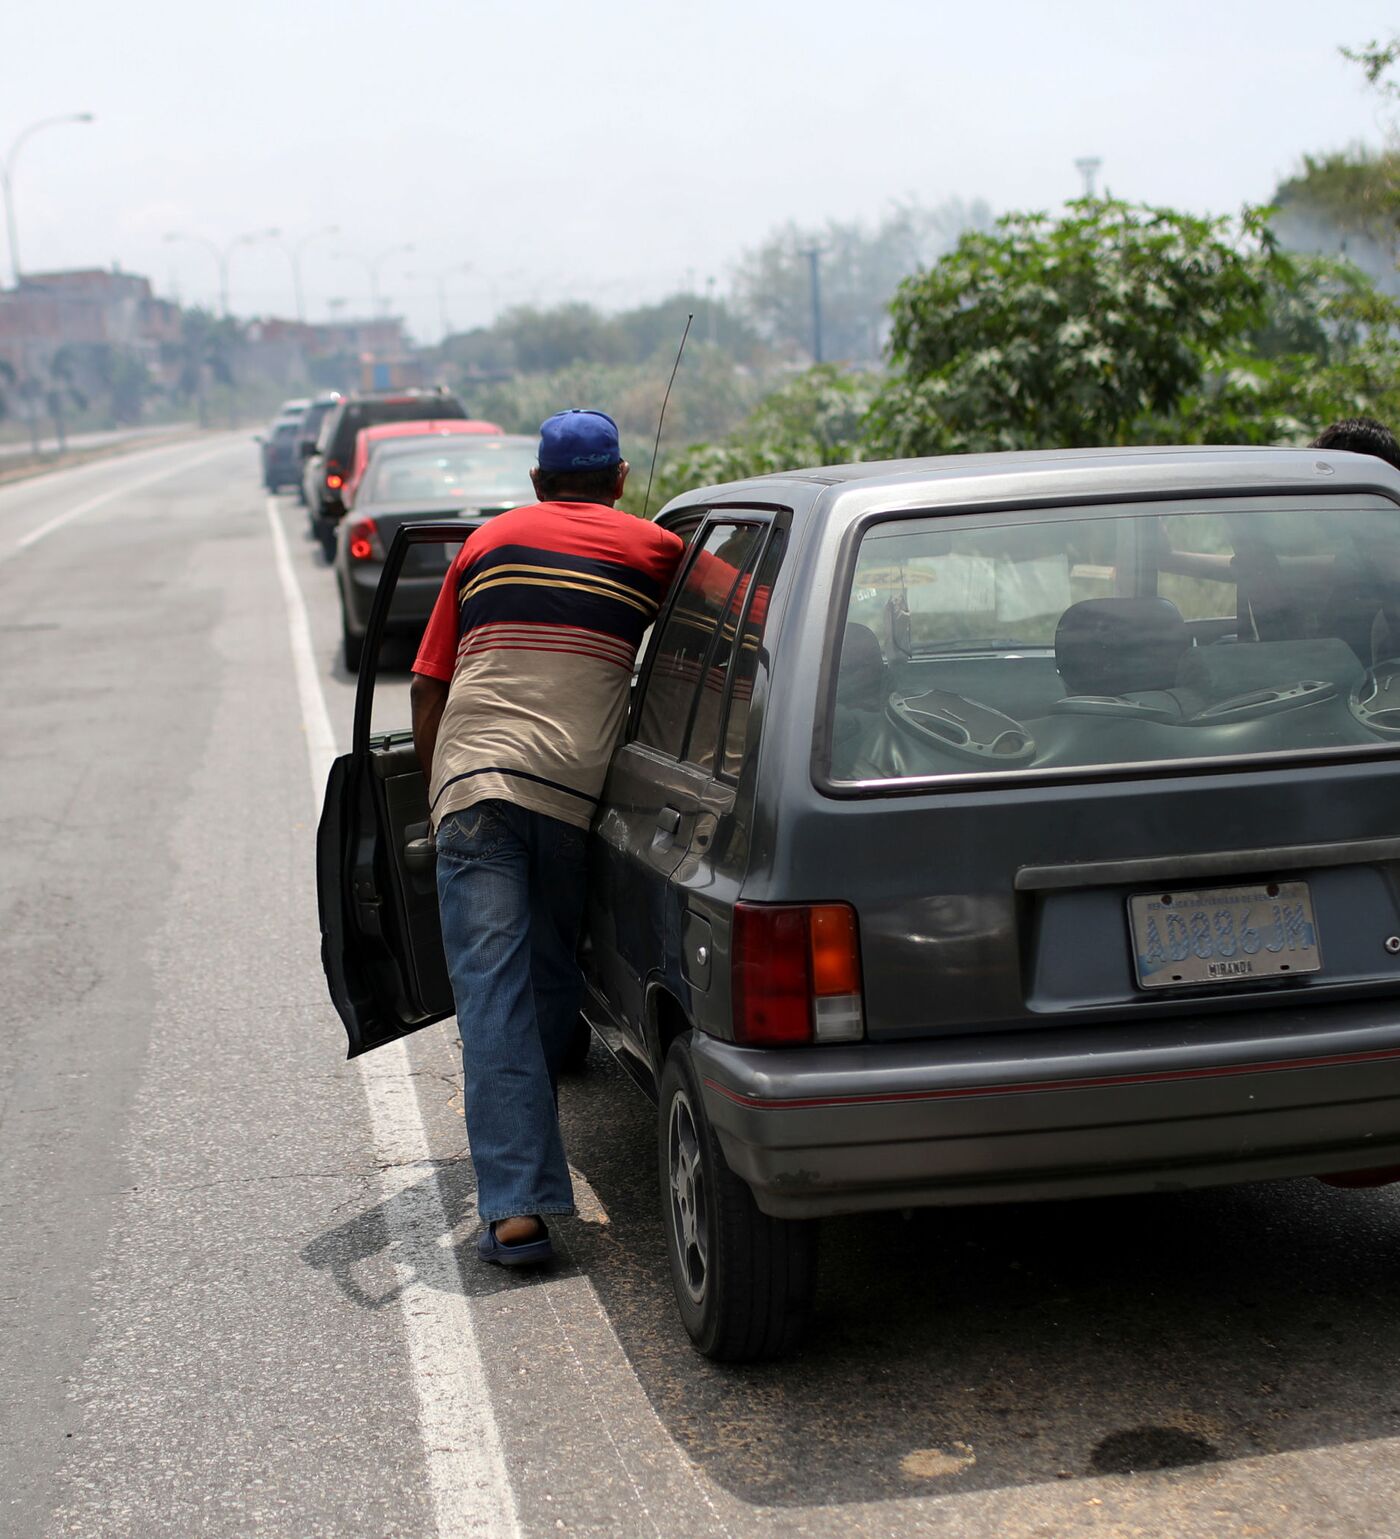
{"points": [[609, 151]]}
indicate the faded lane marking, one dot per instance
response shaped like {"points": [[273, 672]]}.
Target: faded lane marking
{"points": [[111, 495], [456, 1423]]}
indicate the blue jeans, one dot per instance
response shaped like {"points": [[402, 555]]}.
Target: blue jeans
{"points": [[511, 891]]}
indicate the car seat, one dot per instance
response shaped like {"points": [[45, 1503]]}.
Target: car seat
{"points": [[862, 688], [861, 682], [1119, 646]]}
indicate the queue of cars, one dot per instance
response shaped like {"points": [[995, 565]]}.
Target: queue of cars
{"points": [[1007, 827], [281, 459], [439, 463], [459, 475]]}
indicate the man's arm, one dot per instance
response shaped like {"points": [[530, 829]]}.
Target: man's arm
{"points": [[427, 696]]}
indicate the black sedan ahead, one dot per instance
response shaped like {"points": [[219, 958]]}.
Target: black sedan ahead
{"points": [[415, 479]]}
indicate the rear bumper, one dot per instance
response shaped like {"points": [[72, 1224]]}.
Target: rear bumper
{"points": [[1035, 1115], [414, 598]]}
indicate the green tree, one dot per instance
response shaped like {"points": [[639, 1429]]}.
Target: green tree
{"points": [[815, 418], [1355, 192], [62, 392], [1377, 60], [551, 339], [1084, 330], [203, 355], [860, 268]]}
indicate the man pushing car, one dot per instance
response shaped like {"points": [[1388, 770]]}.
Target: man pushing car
{"points": [[519, 695]]}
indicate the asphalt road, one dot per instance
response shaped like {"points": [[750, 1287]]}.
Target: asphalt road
{"points": [[49, 444], [239, 1296]]}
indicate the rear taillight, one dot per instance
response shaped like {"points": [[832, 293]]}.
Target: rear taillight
{"points": [[796, 974], [335, 482], [364, 540]]}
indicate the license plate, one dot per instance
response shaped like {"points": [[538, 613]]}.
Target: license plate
{"points": [[1223, 935]]}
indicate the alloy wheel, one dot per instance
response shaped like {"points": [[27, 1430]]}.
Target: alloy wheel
{"points": [[686, 1178]]}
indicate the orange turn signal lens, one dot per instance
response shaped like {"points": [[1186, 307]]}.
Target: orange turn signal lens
{"points": [[835, 949]]}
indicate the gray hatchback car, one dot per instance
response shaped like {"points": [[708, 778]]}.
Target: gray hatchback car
{"points": [[985, 829]]}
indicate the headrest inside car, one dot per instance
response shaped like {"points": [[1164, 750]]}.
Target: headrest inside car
{"points": [[1117, 646], [861, 679]]}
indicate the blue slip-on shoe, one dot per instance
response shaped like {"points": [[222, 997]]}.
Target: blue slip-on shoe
{"points": [[524, 1253]]}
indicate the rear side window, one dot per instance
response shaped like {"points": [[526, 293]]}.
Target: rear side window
{"points": [[1130, 635], [691, 656], [745, 666], [363, 414], [311, 422]]}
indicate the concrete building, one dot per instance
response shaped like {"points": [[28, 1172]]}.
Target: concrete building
{"points": [[93, 306]]}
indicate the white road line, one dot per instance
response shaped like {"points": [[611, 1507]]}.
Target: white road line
{"points": [[155, 445], [110, 495], [461, 1441]]}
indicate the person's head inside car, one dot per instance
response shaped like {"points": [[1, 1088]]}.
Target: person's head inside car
{"points": [[1360, 435], [580, 459]]}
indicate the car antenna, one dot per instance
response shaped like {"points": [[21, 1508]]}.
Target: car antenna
{"points": [[646, 501]]}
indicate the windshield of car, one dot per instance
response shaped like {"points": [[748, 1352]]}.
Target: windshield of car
{"points": [[481, 470], [1110, 636]]}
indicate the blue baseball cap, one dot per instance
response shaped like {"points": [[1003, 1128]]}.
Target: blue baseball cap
{"points": [[579, 440]]}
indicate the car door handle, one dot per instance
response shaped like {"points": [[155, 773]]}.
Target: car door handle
{"points": [[419, 850], [668, 820]]}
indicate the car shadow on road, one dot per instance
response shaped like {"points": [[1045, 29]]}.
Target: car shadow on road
{"points": [[987, 1347], [962, 1349]]}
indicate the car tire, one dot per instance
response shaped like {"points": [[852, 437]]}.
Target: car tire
{"points": [[576, 1054], [744, 1282]]}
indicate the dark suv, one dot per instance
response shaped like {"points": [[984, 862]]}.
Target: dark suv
{"points": [[985, 829], [310, 430], [328, 467]]}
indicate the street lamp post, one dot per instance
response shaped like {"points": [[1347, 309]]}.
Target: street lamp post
{"points": [[814, 257], [223, 253], [294, 256], [371, 266], [440, 283], [7, 171], [1088, 168]]}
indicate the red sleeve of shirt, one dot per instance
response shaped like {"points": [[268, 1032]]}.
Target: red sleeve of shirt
{"points": [[437, 652]]}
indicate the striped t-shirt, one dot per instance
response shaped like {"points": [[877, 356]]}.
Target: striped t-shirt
{"points": [[536, 628]]}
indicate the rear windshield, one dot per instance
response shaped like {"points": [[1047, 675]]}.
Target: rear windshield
{"points": [[311, 422], [1117, 636], [363, 414], [488, 470]]}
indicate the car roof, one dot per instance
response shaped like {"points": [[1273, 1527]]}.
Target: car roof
{"points": [[1051, 474], [423, 427], [416, 445], [408, 393]]}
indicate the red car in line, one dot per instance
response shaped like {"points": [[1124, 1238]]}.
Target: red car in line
{"points": [[367, 438]]}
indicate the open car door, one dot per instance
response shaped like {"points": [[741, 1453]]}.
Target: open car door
{"points": [[376, 883]]}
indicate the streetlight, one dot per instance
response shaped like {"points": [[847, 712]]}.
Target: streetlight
{"points": [[294, 257], [814, 255], [7, 171], [440, 281], [372, 265], [224, 252], [1088, 168]]}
